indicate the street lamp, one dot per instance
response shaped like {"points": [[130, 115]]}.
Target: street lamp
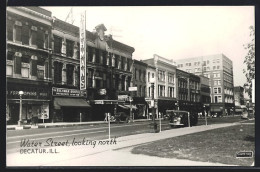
{"points": [[205, 114], [20, 114], [153, 104]]}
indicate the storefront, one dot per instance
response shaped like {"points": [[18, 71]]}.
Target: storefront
{"points": [[35, 102], [70, 105]]}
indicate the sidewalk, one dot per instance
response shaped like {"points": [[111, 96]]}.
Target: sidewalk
{"points": [[61, 124], [113, 155]]}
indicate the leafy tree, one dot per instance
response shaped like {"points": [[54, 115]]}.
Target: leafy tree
{"points": [[249, 61]]}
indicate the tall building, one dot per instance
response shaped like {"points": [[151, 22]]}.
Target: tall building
{"points": [[205, 93], [219, 69], [165, 83], [28, 62]]}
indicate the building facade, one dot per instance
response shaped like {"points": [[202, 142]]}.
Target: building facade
{"points": [[205, 93], [219, 69], [28, 63], [188, 92], [164, 83], [139, 81], [239, 96]]}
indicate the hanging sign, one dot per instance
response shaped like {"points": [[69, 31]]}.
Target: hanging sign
{"points": [[82, 33]]}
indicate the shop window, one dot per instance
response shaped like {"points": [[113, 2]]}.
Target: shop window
{"points": [[57, 44], [69, 48], [40, 38], [9, 70]]}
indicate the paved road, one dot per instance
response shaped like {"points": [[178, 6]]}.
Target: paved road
{"points": [[78, 133]]}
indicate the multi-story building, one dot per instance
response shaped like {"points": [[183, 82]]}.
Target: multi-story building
{"points": [[68, 103], [139, 81], [150, 75], [239, 95], [28, 63], [165, 83], [188, 92], [219, 69]]}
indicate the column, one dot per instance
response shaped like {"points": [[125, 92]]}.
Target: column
{"points": [[17, 64], [74, 76], [126, 78], [94, 55], [64, 74], [93, 79], [126, 61], [119, 62], [119, 82], [75, 51], [33, 67], [63, 47]]}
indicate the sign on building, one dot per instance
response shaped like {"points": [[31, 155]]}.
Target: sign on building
{"points": [[44, 113], [123, 97], [82, 33], [68, 92], [132, 88]]}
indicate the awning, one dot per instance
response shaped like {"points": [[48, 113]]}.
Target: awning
{"points": [[127, 106], [70, 102]]}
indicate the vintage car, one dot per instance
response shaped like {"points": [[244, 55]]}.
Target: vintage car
{"points": [[182, 118], [121, 117]]}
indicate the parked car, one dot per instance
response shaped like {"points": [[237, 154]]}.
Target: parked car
{"points": [[182, 118], [122, 117]]}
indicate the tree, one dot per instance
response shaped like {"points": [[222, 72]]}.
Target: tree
{"points": [[249, 61]]}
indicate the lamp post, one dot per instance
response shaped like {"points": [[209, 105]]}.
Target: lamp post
{"points": [[205, 114], [153, 103], [131, 110], [20, 112]]}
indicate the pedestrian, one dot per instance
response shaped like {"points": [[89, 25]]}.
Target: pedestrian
{"points": [[105, 117]]}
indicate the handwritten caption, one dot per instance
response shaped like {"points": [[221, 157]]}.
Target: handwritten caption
{"points": [[49, 145]]}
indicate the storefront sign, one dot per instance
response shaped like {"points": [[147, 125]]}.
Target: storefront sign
{"points": [[123, 97], [82, 33], [132, 88], [12, 92], [68, 92]]}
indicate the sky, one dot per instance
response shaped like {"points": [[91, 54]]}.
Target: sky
{"points": [[174, 32]]}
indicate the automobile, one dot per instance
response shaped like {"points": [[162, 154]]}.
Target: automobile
{"points": [[121, 117], [182, 118]]}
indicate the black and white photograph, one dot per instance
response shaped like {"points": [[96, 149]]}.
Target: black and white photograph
{"points": [[138, 86]]}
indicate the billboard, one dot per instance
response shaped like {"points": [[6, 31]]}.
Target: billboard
{"points": [[82, 33]]}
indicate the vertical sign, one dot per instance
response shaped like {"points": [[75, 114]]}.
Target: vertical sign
{"points": [[82, 33]]}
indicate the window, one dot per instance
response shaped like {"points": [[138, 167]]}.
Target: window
{"points": [[152, 75], [34, 35], [9, 27], [218, 67], [171, 78], [57, 44], [9, 70], [69, 73], [148, 77], [219, 82], [215, 82], [204, 68], [18, 31], [40, 74], [69, 48], [140, 75], [207, 61], [219, 90], [219, 98], [161, 75], [25, 34], [208, 68], [58, 72], [25, 70], [204, 63], [40, 39], [188, 64]]}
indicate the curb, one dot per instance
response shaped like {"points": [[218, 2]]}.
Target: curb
{"points": [[39, 126]]}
